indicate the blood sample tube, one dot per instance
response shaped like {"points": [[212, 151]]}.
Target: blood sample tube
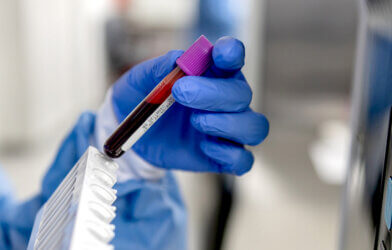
{"points": [[193, 62]]}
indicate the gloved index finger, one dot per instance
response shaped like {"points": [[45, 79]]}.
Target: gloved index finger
{"points": [[213, 94]]}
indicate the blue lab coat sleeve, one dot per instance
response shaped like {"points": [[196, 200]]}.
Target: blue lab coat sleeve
{"points": [[150, 213], [16, 219], [17, 222]]}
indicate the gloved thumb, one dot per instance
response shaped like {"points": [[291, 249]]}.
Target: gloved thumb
{"points": [[145, 76], [134, 85]]}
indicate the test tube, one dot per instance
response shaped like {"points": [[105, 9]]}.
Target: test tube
{"points": [[194, 62]]}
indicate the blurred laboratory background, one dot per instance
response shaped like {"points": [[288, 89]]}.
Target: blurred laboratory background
{"points": [[60, 56]]}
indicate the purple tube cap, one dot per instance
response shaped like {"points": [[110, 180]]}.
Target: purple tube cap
{"points": [[197, 58]]}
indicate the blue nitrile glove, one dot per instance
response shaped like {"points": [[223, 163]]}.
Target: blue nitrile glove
{"points": [[208, 126], [72, 148]]}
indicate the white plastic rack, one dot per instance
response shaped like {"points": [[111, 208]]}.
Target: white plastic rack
{"points": [[79, 213]]}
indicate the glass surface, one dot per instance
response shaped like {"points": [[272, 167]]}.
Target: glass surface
{"points": [[363, 227]]}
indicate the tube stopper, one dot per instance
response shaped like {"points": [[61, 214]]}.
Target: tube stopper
{"points": [[197, 58]]}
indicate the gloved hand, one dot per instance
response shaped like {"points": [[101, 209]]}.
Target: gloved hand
{"points": [[208, 126], [71, 149]]}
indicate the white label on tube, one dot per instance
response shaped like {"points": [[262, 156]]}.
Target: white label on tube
{"points": [[148, 123]]}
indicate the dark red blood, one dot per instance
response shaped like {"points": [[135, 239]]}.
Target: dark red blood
{"points": [[140, 114]]}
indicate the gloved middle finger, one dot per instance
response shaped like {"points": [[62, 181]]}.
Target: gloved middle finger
{"points": [[213, 94], [246, 127]]}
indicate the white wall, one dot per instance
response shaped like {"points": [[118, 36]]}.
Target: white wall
{"points": [[252, 30], [163, 13], [54, 64], [11, 125]]}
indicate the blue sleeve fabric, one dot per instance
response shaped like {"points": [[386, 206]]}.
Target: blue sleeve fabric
{"points": [[16, 224], [150, 214], [7, 198]]}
